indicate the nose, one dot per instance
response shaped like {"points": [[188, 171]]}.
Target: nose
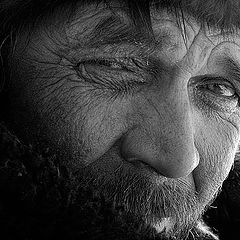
{"points": [[164, 138]]}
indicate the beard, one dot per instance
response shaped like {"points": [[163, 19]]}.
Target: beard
{"points": [[145, 199], [43, 199]]}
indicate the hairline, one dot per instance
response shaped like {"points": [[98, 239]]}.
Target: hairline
{"points": [[13, 15]]}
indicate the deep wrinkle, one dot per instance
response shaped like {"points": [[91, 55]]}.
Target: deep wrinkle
{"points": [[92, 123], [231, 66]]}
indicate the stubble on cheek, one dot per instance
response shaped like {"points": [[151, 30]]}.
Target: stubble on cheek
{"points": [[145, 196], [122, 184], [127, 186], [217, 145]]}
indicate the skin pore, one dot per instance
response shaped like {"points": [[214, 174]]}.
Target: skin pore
{"points": [[151, 120]]}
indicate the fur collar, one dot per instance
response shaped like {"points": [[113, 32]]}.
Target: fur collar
{"points": [[39, 200]]}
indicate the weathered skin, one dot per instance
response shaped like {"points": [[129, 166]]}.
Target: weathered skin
{"points": [[172, 118]]}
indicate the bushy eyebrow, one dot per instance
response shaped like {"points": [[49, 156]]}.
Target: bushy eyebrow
{"points": [[113, 30], [223, 15], [231, 66]]}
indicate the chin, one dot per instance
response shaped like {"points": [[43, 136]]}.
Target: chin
{"points": [[172, 207], [108, 198]]}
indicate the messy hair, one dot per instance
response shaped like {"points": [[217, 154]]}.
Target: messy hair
{"points": [[223, 15]]}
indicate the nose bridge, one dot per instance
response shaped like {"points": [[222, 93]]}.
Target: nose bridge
{"points": [[165, 137]]}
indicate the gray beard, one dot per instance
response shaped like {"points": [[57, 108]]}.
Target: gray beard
{"points": [[145, 202], [42, 199]]}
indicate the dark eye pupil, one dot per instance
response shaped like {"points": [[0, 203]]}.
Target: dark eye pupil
{"points": [[221, 89]]}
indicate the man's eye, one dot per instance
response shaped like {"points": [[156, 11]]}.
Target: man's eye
{"points": [[221, 89], [121, 75], [108, 64], [217, 93]]}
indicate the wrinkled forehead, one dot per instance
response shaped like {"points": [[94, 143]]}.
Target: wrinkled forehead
{"points": [[113, 22], [224, 16], [157, 23], [146, 20]]}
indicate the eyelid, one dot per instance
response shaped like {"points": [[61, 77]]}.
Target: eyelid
{"points": [[109, 52], [127, 63], [211, 79], [123, 78], [208, 100], [99, 59], [216, 79]]}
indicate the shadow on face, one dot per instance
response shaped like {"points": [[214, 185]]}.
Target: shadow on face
{"points": [[147, 111]]}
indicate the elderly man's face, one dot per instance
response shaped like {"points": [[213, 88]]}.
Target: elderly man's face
{"points": [[151, 121]]}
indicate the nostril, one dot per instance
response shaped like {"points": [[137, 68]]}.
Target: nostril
{"points": [[142, 165], [148, 167], [171, 157]]}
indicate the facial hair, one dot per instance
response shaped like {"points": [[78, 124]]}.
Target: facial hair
{"points": [[146, 200], [41, 198]]}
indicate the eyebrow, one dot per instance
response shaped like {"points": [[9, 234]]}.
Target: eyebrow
{"points": [[112, 30], [232, 67]]}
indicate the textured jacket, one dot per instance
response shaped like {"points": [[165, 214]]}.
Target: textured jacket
{"points": [[38, 201]]}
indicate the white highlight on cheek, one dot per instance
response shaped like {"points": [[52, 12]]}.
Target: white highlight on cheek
{"points": [[164, 225]]}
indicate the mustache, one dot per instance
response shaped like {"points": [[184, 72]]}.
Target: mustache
{"points": [[138, 195]]}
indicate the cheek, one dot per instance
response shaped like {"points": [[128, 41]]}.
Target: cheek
{"points": [[69, 114], [217, 142], [100, 126]]}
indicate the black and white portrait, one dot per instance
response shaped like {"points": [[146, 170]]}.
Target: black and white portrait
{"points": [[119, 119]]}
